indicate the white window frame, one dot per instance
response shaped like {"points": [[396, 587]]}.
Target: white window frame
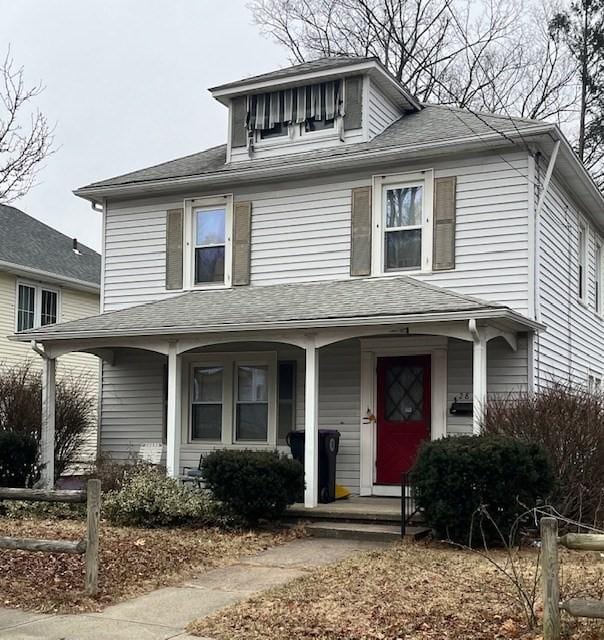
{"points": [[229, 362], [224, 400], [582, 261], [38, 288], [425, 178], [209, 202]]}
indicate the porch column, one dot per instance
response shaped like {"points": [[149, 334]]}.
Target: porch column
{"points": [[174, 411], [311, 425], [47, 436], [479, 380]]}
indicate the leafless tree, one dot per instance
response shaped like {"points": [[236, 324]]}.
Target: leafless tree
{"points": [[499, 58], [25, 135]]}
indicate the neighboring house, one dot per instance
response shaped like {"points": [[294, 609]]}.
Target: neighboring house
{"points": [[46, 278], [350, 259]]}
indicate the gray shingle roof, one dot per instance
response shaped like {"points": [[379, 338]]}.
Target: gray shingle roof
{"points": [[321, 64], [433, 124], [215, 310], [30, 243]]}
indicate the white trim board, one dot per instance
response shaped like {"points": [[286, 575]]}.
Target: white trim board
{"points": [[373, 348]]}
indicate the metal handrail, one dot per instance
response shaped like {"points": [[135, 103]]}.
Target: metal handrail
{"points": [[408, 502]]}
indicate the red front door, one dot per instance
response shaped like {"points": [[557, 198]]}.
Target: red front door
{"points": [[403, 414]]}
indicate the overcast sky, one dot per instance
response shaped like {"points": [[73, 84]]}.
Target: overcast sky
{"points": [[126, 86]]}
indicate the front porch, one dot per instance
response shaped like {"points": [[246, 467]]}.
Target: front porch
{"points": [[387, 362], [153, 392]]}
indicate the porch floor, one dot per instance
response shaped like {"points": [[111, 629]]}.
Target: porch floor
{"points": [[371, 508]]}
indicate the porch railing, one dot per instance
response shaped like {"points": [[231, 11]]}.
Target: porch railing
{"points": [[409, 507]]}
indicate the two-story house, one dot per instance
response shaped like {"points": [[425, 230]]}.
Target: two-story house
{"points": [[45, 278], [351, 258]]}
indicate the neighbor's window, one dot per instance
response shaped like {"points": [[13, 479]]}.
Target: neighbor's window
{"points": [[598, 292], [251, 413], [210, 243], [403, 209], [207, 403], [582, 261], [286, 392], [36, 307]]}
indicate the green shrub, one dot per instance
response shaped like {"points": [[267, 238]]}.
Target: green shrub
{"points": [[254, 485], [147, 498], [18, 458], [474, 488], [568, 422]]}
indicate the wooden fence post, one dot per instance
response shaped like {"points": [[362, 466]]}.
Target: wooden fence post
{"points": [[93, 509], [549, 576]]}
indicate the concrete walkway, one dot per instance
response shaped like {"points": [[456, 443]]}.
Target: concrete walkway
{"points": [[164, 613]]}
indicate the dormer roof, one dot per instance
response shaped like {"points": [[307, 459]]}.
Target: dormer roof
{"points": [[320, 70]]}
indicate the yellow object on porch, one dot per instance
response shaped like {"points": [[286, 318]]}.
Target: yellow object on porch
{"points": [[341, 492]]}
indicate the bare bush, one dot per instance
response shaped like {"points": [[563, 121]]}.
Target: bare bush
{"points": [[21, 409], [569, 424]]}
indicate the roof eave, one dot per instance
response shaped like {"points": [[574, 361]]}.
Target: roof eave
{"points": [[308, 165], [224, 93], [320, 323], [50, 277]]}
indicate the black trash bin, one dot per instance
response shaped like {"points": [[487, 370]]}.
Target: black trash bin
{"points": [[329, 442]]}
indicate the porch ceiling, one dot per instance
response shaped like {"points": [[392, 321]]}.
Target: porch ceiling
{"points": [[386, 300]]}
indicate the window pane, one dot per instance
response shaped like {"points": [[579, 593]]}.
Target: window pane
{"points": [[252, 421], [25, 307], [49, 307], [210, 227], [277, 131], [207, 422], [252, 384], [404, 207], [207, 384], [319, 125], [209, 265], [403, 249]]}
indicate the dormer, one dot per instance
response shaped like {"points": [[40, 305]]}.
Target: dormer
{"points": [[315, 105]]}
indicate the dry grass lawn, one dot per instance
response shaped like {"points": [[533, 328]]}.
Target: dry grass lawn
{"points": [[132, 562], [410, 592]]}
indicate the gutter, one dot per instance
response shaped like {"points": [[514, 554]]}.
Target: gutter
{"points": [[503, 313], [47, 276], [307, 165]]}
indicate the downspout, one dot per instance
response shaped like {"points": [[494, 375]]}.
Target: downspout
{"points": [[538, 209]]}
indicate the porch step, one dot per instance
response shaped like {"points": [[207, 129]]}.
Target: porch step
{"points": [[362, 531]]}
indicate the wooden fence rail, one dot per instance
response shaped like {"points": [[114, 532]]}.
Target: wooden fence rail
{"points": [[89, 546], [580, 608]]}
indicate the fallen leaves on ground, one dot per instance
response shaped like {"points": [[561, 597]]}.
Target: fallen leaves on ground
{"points": [[132, 562], [407, 592]]}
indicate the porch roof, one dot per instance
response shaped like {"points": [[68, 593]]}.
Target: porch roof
{"points": [[398, 299]]}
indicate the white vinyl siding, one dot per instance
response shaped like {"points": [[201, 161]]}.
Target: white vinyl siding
{"points": [[382, 113], [132, 406], [573, 343], [135, 254], [302, 233]]}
